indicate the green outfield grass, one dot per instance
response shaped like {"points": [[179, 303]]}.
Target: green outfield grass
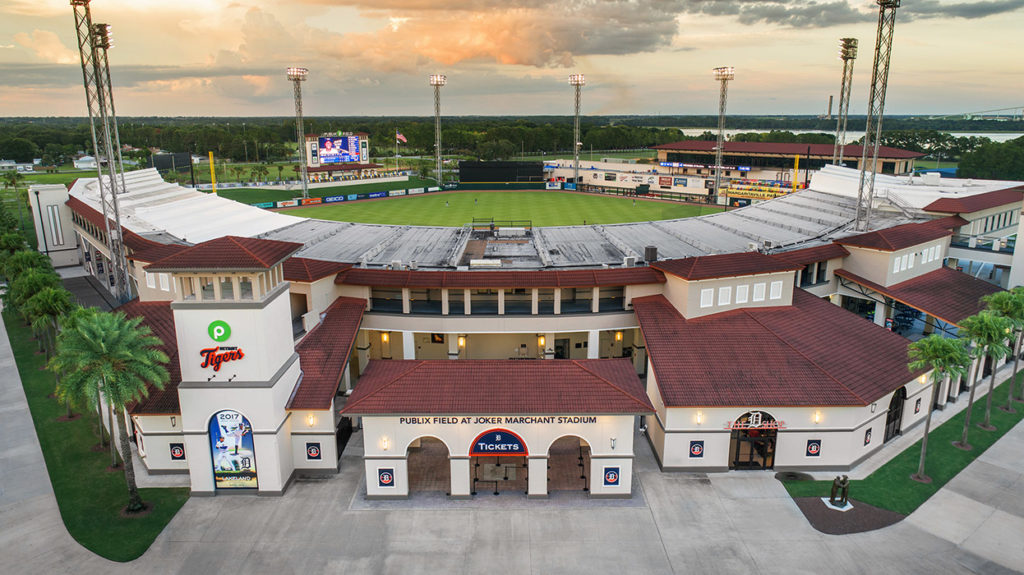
{"points": [[259, 195], [58, 178], [542, 208]]}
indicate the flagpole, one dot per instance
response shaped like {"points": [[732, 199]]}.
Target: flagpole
{"points": [[396, 149]]}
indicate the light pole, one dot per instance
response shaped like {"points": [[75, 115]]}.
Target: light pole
{"points": [[722, 74], [297, 76], [437, 80], [577, 81], [847, 53]]}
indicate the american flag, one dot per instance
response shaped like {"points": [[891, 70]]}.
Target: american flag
{"points": [[400, 138]]}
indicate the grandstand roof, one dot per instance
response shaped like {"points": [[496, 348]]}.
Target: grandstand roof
{"points": [[783, 149]]}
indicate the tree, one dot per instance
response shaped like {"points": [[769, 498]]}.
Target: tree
{"points": [[20, 150], [997, 161], [107, 356], [26, 284], [948, 359], [985, 329], [1010, 304], [24, 260], [44, 310], [280, 172]]}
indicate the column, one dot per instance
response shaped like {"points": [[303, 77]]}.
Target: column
{"points": [[929, 324], [593, 344], [406, 304], [537, 485], [444, 301], [558, 300], [346, 379], [466, 301], [460, 477], [639, 352], [363, 349], [595, 301], [501, 301], [453, 345], [408, 345], [880, 311], [627, 297], [534, 301], [549, 346]]}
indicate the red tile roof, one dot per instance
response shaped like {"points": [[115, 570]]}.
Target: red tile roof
{"points": [[949, 222], [810, 255], [945, 293], [159, 317], [228, 253], [965, 205], [810, 353], [534, 387], [156, 252], [323, 353], [724, 265], [783, 149], [898, 237], [500, 279], [308, 270]]}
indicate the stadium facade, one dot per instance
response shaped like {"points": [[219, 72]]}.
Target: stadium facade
{"points": [[513, 358]]}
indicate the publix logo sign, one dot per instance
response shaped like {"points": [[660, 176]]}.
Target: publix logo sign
{"points": [[214, 357], [219, 330]]}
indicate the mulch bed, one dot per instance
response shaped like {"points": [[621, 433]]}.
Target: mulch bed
{"points": [[147, 508], [862, 517]]}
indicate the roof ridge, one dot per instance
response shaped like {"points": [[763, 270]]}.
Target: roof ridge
{"points": [[608, 381], [801, 354], [415, 366], [234, 239]]}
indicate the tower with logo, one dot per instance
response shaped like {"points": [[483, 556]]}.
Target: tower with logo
{"points": [[238, 362]]}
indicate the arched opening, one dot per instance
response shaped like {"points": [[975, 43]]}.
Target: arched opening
{"points": [[569, 464], [428, 465], [753, 441], [894, 418], [507, 472]]}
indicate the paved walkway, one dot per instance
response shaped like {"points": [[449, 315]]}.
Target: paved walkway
{"points": [[690, 523]]}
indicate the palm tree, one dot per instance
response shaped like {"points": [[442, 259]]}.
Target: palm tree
{"points": [[22, 260], [11, 180], [985, 329], [948, 359], [45, 309], [107, 356], [1010, 304], [280, 171], [26, 284]]}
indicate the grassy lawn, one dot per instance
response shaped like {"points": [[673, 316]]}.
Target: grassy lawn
{"points": [[89, 497], [931, 164], [21, 211], [890, 487], [543, 208], [258, 195], [59, 178]]}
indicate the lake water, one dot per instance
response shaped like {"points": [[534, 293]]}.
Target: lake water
{"points": [[853, 136]]}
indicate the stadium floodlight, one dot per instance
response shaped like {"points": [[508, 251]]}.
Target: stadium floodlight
{"points": [[847, 53], [577, 81], [722, 74], [297, 76], [437, 80]]}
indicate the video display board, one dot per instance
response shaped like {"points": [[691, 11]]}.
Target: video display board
{"points": [[339, 149]]}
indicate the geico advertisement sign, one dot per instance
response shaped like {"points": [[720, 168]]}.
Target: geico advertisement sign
{"points": [[215, 356]]}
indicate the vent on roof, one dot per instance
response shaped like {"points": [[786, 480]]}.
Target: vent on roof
{"points": [[628, 261], [413, 265], [651, 254], [396, 264], [751, 246]]}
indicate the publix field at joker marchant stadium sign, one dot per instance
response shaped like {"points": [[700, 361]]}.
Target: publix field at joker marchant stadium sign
{"points": [[219, 331]]}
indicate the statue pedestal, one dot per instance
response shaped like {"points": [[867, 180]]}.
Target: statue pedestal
{"points": [[848, 506]]}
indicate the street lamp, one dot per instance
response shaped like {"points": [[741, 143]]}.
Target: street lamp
{"points": [[577, 81], [721, 74], [437, 80], [297, 76]]}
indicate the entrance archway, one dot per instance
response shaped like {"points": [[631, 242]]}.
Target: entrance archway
{"points": [[752, 445], [428, 465], [507, 472], [894, 418], [569, 464]]}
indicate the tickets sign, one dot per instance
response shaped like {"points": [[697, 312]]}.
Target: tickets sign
{"points": [[498, 442]]}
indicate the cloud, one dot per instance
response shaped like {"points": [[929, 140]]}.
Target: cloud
{"points": [[47, 47], [923, 9]]}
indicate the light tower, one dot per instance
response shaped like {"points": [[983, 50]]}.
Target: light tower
{"points": [[297, 76], [847, 53], [93, 43], [876, 107], [437, 80], [577, 81], [723, 75]]}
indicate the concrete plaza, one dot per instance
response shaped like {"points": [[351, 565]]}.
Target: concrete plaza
{"points": [[741, 522]]}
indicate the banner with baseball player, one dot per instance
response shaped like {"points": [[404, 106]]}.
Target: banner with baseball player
{"points": [[234, 458]]}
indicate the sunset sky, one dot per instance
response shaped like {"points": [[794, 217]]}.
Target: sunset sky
{"points": [[372, 57]]}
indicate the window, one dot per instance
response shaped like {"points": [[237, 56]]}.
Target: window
{"points": [[759, 291], [910, 262], [707, 297], [822, 270], [724, 295], [165, 282], [150, 280], [903, 262], [245, 287], [896, 265], [776, 291], [206, 288], [932, 253], [56, 232], [188, 288], [741, 293], [227, 288]]}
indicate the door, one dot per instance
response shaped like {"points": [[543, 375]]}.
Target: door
{"points": [[562, 348]]}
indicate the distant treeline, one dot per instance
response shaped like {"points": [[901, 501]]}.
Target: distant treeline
{"points": [[273, 138]]}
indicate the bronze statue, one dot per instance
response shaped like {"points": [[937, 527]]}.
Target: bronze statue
{"points": [[835, 491], [844, 485]]}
